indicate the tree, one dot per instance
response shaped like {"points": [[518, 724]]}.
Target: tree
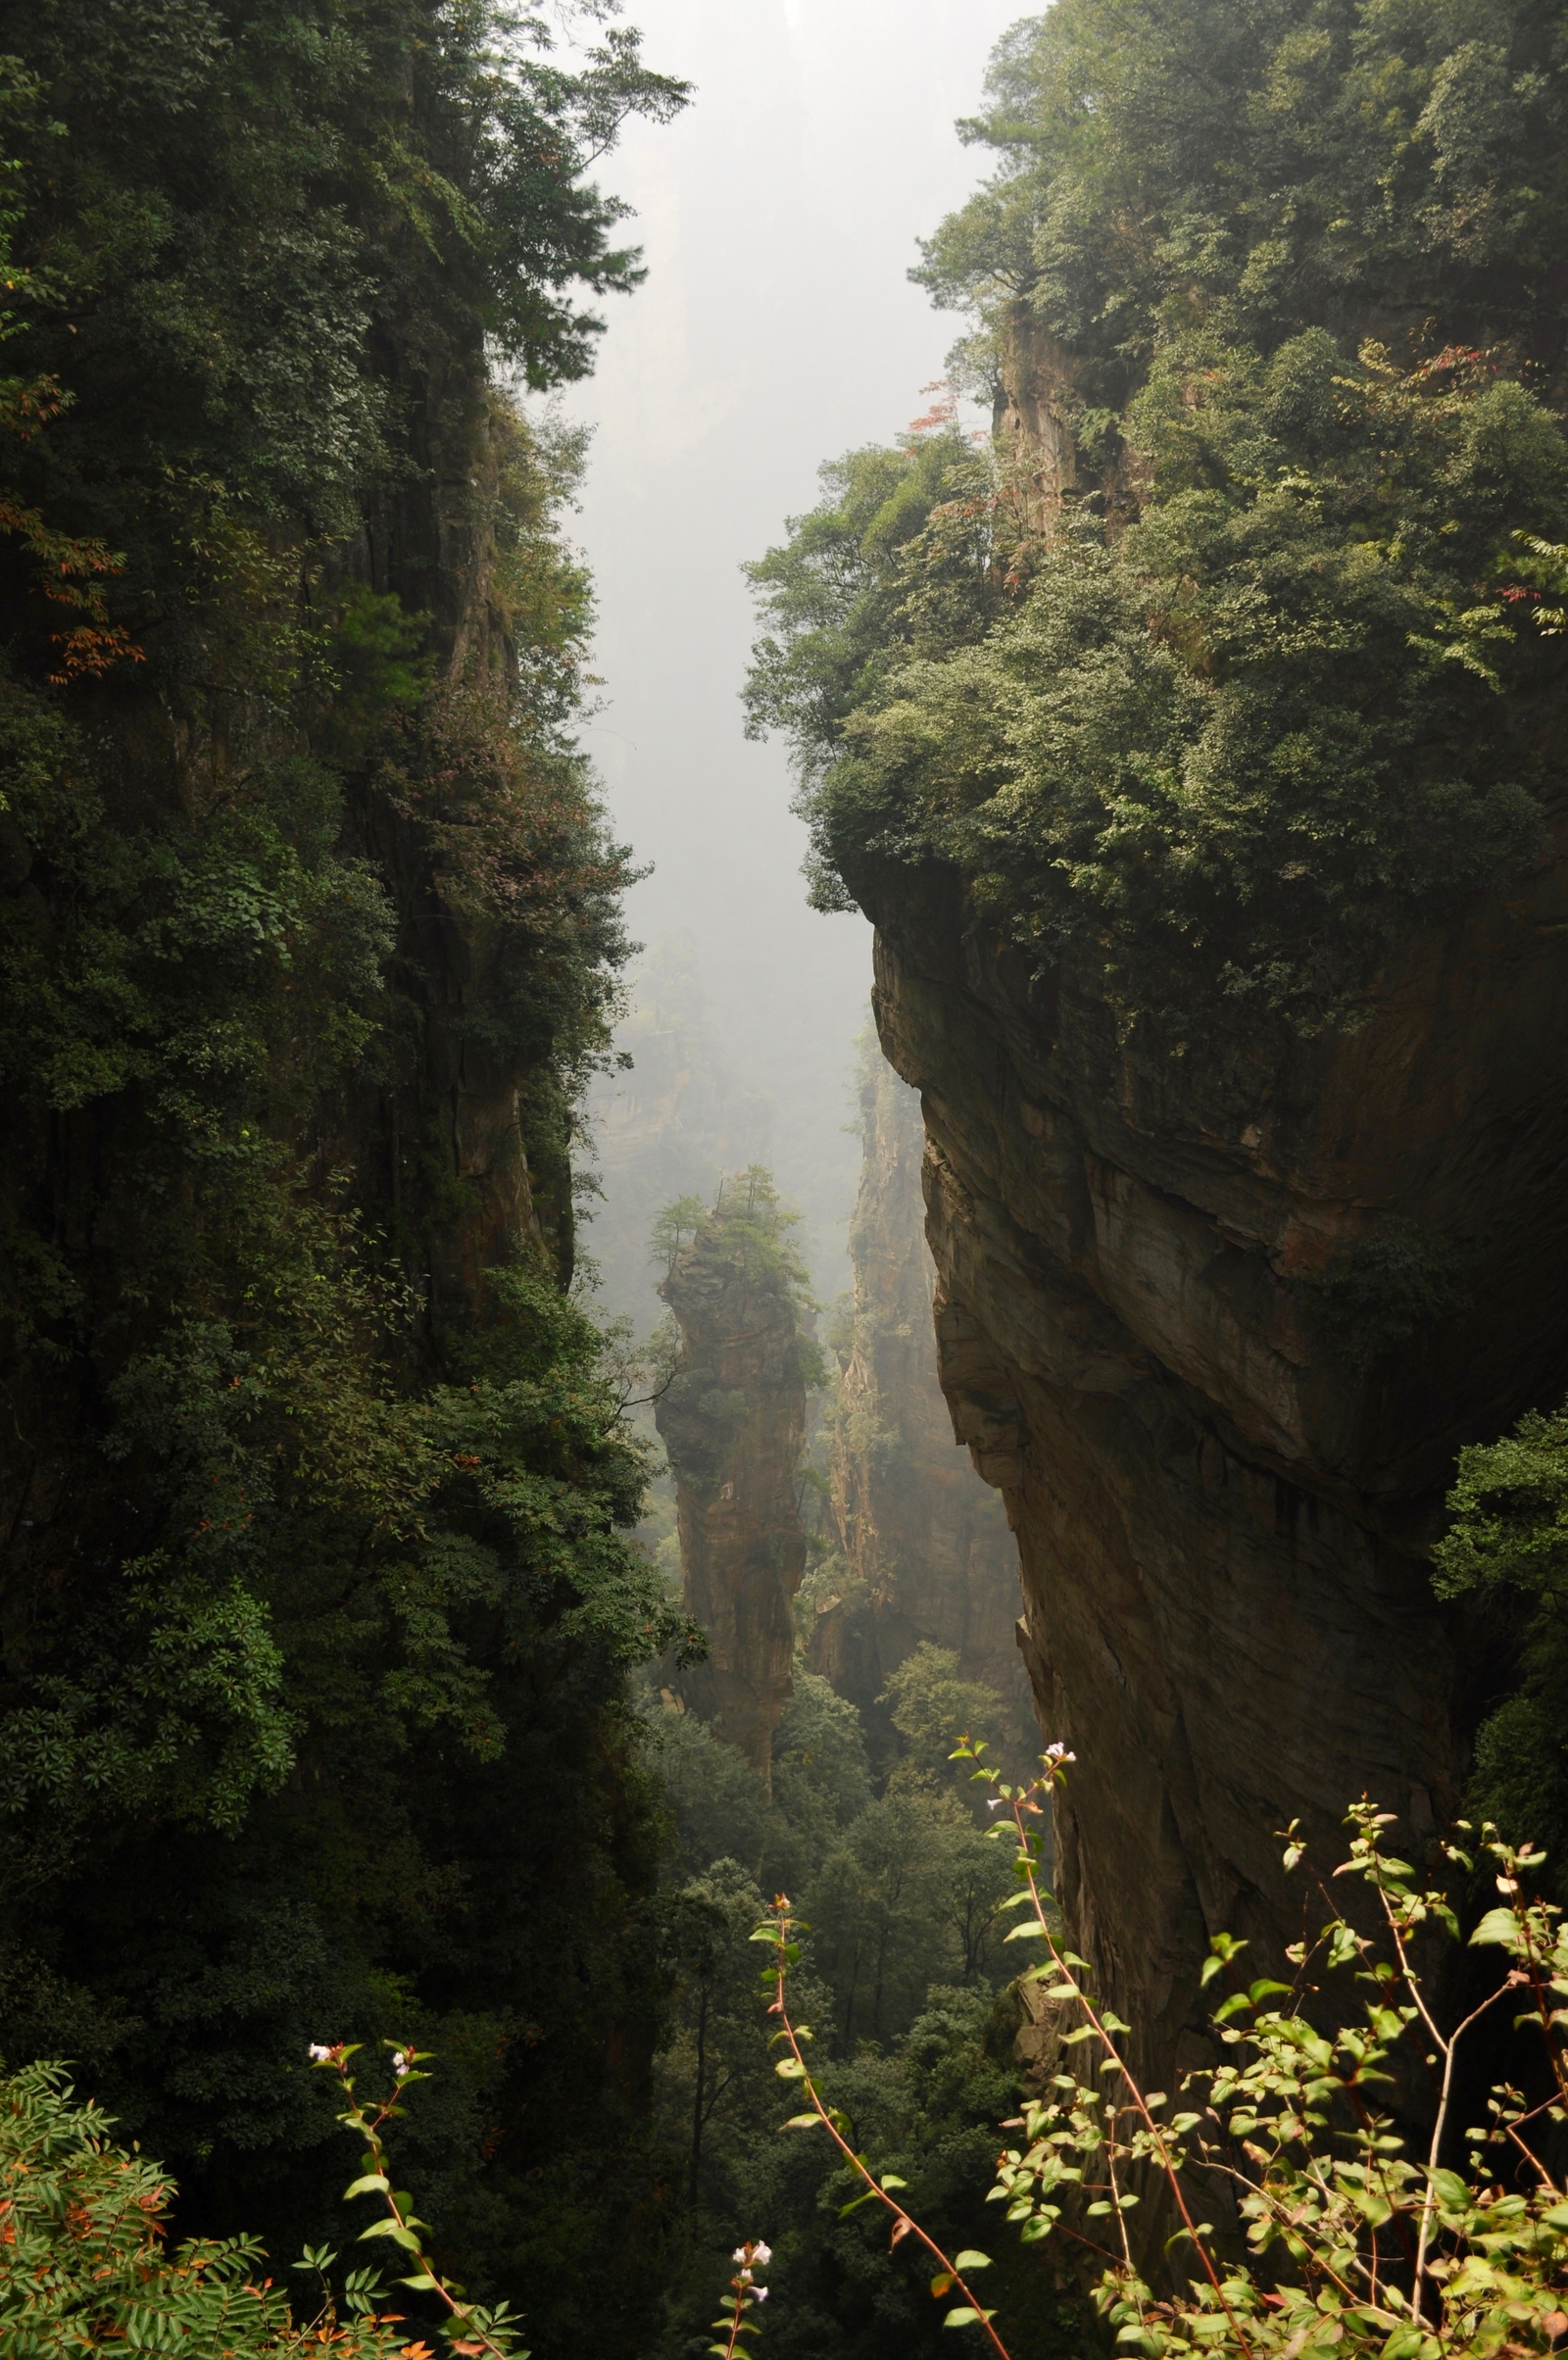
{"points": [[717, 2050], [680, 1219], [1252, 685]]}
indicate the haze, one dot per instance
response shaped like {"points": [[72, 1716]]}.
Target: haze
{"points": [[777, 328]]}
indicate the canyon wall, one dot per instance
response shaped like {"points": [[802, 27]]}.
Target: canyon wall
{"points": [[926, 1551], [1222, 1506], [733, 1422], [1220, 1517]]}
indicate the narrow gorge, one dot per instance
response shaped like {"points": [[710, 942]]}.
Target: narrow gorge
{"points": [[927, 1556], [663, 1650]]}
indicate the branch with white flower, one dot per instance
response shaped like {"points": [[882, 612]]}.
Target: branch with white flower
{"points": [[745, 2295], [469, 2329], [950, 2273]]}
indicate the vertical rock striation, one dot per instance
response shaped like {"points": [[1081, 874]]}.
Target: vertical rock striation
{"points": [[733, 1422], [929, 1554], [1220, 1513]]}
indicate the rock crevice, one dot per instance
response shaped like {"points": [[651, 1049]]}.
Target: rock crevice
{"points": [[927, 1550]]}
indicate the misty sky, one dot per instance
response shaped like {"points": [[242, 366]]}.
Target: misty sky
{"points": [[776, 328]]}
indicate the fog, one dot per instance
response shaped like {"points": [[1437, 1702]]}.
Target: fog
{"points": [[776, 328]]}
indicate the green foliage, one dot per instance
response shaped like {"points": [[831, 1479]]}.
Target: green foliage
{"points": [[1319, 161], [320, 1595], [678, 1221], [1293, 2122], [86, 2264], [898, 1973], [1508, 1550], [1350, 2239], [1265, 691], [1389, 1286], [929, 1700], [716, 1800], [742, 1251], [909, 1896], [821, 1776]]}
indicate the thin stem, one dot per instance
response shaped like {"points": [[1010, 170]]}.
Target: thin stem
{"points": [[1435, 2149], [1543, 2004], [1116, 2198], [1155, 2130], [371, 2133], [907, 2225]]}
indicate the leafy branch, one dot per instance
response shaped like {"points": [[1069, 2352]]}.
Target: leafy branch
{"points": [[745, 2294], [471, 2329], [777, 1931]]}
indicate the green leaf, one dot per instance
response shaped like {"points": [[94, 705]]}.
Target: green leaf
{"points": [[422, 2284], [376, 2181], [1031, 1929], [971, 2259], [394, 2229], [1498, 1926], [801, 2122], [964, 2317]]}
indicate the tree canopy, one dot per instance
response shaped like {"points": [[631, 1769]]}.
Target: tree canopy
{"points": [[1269, 667], [319, 1590]]}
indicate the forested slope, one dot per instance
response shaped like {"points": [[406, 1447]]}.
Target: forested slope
{"points": [[317, 1597]]}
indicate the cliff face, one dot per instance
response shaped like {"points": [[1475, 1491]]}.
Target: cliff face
{"points": [[1219, 1519], [928, 1548], [733, 1422]]}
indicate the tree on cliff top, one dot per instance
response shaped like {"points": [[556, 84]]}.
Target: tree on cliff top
{"points": [[748, 1221], [1266, 682]]}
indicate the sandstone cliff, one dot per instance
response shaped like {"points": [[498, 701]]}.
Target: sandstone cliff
{"points": [[1221, 1509], [733, 1422], [1220, 1518], [926, 1547]]}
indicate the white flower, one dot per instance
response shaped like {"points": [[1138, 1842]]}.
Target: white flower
{"points": [[996, 1803], [399, 2063], [760, 2294], [1058, 1754], [316, 2053], [739, 2254], [762, 2253]]}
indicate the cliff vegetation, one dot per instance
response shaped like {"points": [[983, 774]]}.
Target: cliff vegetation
{"points": [[1195, 744], [1235, 654], [319, 1593]]}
